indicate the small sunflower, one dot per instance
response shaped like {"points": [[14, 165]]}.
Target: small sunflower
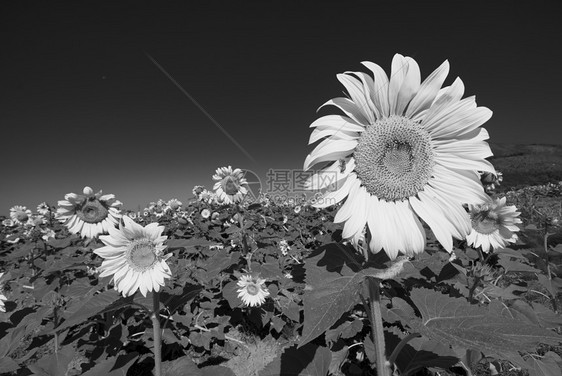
{"points": [[2, 296], [20, 214], [252, 290], [205, 213], [133, 255], [43, 208], [493, 224], [231, 186], [89, 214], [174, 204], [403, 152]]}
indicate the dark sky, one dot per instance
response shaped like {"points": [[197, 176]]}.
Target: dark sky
{"points": [[82, 104]]}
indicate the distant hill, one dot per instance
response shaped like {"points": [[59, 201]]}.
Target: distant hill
{"points": [[527, 164]]}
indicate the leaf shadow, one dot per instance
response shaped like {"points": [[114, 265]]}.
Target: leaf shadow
{"points": [[336, 256]]}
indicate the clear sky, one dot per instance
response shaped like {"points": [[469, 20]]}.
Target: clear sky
{"points": [[82, 103]]}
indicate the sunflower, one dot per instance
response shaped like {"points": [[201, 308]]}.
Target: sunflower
{"points": [[133, 255], [252, 290], [89, 214], [43, 208], [493, 224], [174, 204], [402, 151], [205, 213], [2, 296], [231, 187], [20, 214]]}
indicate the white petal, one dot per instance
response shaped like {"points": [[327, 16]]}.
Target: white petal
{"points": [[410, 229], [349, 108], [332, 198], [397, 74], [358, 96], [336, 134], [380, 89], [410, 85], [428, 90], [330, 175], [426, 208], [329, 150], [351, 204], [377, 224], [445, 107], [358, 220]]}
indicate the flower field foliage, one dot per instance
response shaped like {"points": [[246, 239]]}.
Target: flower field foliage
{"points": [[411, 263], [62, 318]]}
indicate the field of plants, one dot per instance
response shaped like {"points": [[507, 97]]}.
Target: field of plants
{"points": [[63, 319]]}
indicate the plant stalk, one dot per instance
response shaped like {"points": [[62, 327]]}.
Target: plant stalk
{"points": [[377, 331], [155, 317], [546, 235]]}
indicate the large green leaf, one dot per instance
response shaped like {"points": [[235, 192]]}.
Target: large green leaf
{"points": [[547, 366], [8, 365], [419, 353], [216, 371], [309, 360], [333, 287], [113, 366], [180, 366], [492, 330], [54, 364], [89, 307]]}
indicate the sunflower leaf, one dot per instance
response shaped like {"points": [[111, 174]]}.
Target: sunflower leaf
{"points": [[333, 286], [310, 360], [492, 329], [89, 307]]}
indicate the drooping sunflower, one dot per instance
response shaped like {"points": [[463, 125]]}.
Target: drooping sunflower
{"points": [[90, 214], [404, 150], [20, 214], [231, 186], [134, 256], [252, 290], [493, 224]]}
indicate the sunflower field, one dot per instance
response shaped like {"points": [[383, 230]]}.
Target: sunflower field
{"points": [[406, 259]]}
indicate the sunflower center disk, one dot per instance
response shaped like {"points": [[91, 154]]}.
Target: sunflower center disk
{"points": [[230, 186], [141, 255], [485, 223], [92, 211], [394, 158], [252, 289], [21, 216]]}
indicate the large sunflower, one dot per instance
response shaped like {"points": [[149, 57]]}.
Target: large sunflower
{"points": [[89, 214], [493, 224], [404, 150], [133, 255], [231, 187]]}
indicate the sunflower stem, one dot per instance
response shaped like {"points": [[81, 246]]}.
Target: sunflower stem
{"points": [[155, 317], [546, 258], [371, 285]]}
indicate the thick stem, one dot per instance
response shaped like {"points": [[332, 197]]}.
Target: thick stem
{"points": [[377, 331], [155, 317]]}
